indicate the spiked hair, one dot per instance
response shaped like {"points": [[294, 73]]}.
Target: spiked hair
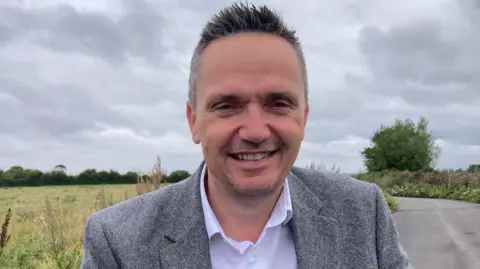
{"points": [[243, 18]]}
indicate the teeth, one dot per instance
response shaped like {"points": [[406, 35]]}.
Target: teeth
{"points": [[251, 157]]}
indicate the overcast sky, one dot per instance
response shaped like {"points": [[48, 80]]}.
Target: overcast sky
{"points": [[103, 83]]}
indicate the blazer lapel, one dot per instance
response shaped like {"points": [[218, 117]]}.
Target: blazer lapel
{"points": [[191, 251], [315, 233], [189, 247]]}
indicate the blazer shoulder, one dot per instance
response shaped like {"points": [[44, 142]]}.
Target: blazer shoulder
{"points": [[134, 230], [337, 186], [316, 179]]}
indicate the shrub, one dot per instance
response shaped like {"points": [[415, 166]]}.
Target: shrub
{"points": [[391, 201], [431, 191], [437, 184]]}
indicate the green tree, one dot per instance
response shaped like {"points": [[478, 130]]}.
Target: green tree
{"points": [[474, 168], [14, 175], [32, 177], [60, 167], [404, 146], [17, 176], [88, 176], [56, 178], [177, 176]]}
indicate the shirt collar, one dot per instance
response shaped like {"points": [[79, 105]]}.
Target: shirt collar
{"points": [[281, 214]]}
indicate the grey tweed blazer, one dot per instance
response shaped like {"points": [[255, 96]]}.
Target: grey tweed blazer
{"points": [[338, 223]]}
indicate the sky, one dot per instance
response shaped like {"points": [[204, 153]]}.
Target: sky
{"points": [[103, 83]]}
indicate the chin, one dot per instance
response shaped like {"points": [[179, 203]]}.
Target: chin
{"points": [[256, 185]]}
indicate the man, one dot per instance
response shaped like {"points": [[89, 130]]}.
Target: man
{"points": [[246, 206]]}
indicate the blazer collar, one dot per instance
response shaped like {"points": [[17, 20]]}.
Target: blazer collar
{"points": [[189, 248], [281, 214], [315, 233]]}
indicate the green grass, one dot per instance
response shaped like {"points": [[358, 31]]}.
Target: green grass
{"points": [[47, 223], [462, 186], [440, 192], [391, 201], [46, 227], [31, 199]]}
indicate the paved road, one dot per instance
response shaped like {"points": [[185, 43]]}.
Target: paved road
{"points": [[440, 234]]}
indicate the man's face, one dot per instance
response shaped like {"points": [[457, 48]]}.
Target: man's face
{"points": [[250, 112]]}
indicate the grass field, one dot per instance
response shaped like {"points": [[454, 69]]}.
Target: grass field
{"points": [[47, 223]]}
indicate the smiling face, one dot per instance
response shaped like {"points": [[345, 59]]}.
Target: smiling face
{"points": [[250, 112]]}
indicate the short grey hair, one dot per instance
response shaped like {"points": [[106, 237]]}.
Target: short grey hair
{"points": [[243, 18]]}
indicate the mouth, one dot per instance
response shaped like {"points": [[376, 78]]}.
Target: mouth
{"points": [[252, 157]]}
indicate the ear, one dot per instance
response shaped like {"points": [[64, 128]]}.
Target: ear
{"points": [[305, 114], [305, 118], [192, 119]]}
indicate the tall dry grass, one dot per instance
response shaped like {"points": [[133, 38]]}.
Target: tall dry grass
{"points": [[152, 181], [322, 167], [44, 229], [463, 186], [453, 180], [48, 232]]}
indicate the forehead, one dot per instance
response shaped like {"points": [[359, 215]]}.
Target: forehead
{"points": [[249, 64]]}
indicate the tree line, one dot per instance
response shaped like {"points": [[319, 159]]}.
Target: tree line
{"points": [[403, 146], [17, 176]]}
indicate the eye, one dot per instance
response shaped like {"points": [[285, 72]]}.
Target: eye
{"points": [[223, 106], [281, 104]]}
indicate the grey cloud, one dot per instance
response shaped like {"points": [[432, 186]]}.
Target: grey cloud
{"points": [[6, 33], [360, 114], [52, 110], [11, 116], [470, 9], [62, 69], [138, 33], [205, 9], [419, 62], [444, 123], [429, 64], [406, 52]]}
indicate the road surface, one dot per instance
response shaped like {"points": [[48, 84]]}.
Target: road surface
{"points": [[439, 234]]}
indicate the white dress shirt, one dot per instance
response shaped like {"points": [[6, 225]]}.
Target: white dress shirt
{"points": [[273, 249]]}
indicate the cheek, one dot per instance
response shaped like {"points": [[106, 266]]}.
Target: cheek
{"points": [[216, 134], [290, 129]]}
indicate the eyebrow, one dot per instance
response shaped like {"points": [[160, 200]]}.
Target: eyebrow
{"points": [[222, 97], [238, 97], [283, 94]]}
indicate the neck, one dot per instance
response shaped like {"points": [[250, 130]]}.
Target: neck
{"points": [[241, 218]]}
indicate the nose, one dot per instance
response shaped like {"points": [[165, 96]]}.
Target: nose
{"points": [[254, 128]]}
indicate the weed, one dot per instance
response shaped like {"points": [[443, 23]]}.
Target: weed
{"points": [[4, 235], [153, 180]]}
